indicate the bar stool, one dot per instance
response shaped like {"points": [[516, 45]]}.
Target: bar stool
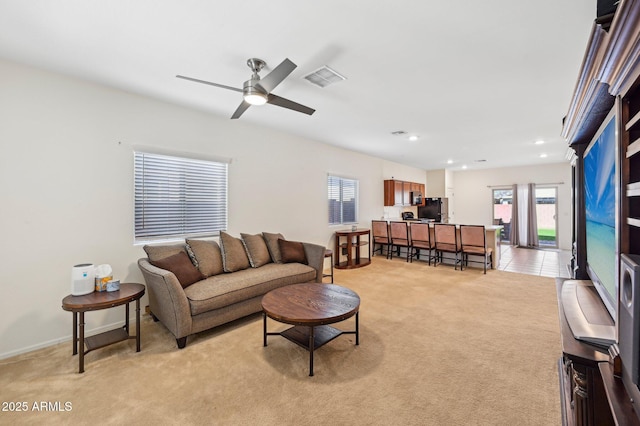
{"points": [[329, 254]]}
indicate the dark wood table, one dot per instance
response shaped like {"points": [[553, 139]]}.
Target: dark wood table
{"points": [[350, 241], [310, 308], [103, 300]]}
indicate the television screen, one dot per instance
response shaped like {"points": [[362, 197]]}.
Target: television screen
{"points": [[600, 174]]}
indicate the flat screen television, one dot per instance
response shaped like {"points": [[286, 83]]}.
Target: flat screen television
{"points": [[601, 191], [582, 300]]}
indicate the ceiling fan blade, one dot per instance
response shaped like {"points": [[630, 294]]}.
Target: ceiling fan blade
{"points": [[275, 77], [210, 83], [241, 109], [286, 103]]}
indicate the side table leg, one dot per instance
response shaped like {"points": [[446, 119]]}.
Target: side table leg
{"points": [[126, 317], [75, 333], [311, 345], [357, 328], [137, 324], [81, 343], [264, 328]]}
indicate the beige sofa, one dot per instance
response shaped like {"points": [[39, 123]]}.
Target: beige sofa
{"points": [[201, 284]]}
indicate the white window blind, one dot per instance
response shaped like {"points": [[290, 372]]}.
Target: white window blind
{"points": [[343, 200], [178, 197]]}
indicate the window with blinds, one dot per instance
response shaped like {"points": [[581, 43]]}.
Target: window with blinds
{"points": [[343, 200], [178, 197]]}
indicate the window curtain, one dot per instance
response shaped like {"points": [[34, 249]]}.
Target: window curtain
{"points": [[524, 221], [532, 218], [514, 238]]}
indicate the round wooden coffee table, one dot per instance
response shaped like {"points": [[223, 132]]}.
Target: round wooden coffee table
{"points": [[310, 308]]}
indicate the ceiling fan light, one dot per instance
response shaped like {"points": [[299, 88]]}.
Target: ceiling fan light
{"points": [[255, 98], [252, 94]]}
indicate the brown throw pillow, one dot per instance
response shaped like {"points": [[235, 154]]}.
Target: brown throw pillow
{"points": [[160, 252], [207, 255], [256, 250], [292, 251], [234, 256], [272, 245], [182, 268]]}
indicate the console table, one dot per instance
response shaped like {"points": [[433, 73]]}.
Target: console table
{"points": [[590, 394], [103, 300], [350, 241]]}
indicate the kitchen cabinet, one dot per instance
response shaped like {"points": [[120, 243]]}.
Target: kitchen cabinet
{"points": [[398, 192]]}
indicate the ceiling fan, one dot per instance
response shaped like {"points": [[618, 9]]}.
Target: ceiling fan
{"points": [[257, 91]]}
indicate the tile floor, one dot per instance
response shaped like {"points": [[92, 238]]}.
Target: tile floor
{"points": [[547, 262]]}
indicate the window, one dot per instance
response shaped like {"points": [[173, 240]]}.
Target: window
{"points": [[343, 200], [178, 197]]}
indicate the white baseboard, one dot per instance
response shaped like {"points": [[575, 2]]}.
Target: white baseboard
{"points": [[67, 338]]}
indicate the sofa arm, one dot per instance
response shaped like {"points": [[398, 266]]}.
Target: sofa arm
{"points": [[167, 300], [315, 258]]}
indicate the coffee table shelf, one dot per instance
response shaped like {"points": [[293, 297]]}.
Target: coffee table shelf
{"points": [[322, 334]]}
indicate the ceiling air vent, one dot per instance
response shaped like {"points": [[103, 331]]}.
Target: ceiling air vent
{"points": [[324, 76]]}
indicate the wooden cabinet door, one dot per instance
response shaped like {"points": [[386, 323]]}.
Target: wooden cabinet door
{"points": [[406, 193], [389, 193], [398, 192]]}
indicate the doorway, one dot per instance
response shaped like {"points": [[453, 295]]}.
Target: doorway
{"points": [[502, 204], [547, 214]]}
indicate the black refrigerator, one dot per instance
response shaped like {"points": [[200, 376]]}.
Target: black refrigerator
{"points": [[435, 209]]}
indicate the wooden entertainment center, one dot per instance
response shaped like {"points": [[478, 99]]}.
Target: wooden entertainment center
{"points": [[593, 391], [590, 394]]}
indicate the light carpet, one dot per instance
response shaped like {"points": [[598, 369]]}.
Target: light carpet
{"points": [[437, 347]]}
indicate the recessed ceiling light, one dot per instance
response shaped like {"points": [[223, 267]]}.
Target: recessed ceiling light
{"points": [[413, 138], [543, 155], [464, 166], [539, 142], [449, 161]]}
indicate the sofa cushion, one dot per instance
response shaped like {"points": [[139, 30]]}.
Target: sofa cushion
{"points": [[234, 256], [256, 250], [160, 252], [226, 289], [207, 255], [292, 251], [182, 268], [272, 245]]}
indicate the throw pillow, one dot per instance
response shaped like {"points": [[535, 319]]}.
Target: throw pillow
{"points": [[182, 268], [234, 256], [272, 245], [292, 251], [256, 250], [160, 252], [207, 255]]}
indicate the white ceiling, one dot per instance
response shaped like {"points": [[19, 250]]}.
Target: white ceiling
{"points": [[475, 80]]}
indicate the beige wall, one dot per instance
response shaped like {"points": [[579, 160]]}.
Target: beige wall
{"points": [[66, 182], [473, 193]]}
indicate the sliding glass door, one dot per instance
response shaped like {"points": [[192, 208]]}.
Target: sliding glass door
{"points": [[502, 203], [547, 213]]}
